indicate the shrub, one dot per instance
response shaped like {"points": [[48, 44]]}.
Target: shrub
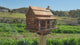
{"points": [[67, 29], [64, 41], [4, 27]]}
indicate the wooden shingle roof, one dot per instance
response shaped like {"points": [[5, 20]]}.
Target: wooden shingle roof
{"points": [[40, 11]]}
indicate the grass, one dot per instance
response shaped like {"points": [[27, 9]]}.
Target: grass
{"points": [[60, 20], [62, 35], [65, 41], [20, 15], [13, 15], [29, 35], [14, 38], [17, 30], [21, 37], [4, 27], [67, 29], [14, 34]]}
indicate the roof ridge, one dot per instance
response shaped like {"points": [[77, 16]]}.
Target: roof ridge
{"points": [[41, 10], [37, 7]]}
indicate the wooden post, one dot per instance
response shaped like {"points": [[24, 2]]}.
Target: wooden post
{"points": [[46, 24], [39, 25], [42, 40], [50, 23], [55, 23]]}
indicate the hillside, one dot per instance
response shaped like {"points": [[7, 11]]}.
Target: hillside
{"points": [[12, 15], [3, 7], [71, 13], [20, 10]]}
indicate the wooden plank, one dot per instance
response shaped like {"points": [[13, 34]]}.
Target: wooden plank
{"points": [[46, 24], [39, 25], [55, 23], [42, 40], [50, 23], [48, 29]]}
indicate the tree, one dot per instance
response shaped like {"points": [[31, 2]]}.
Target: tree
{"points": [[10, 11]]}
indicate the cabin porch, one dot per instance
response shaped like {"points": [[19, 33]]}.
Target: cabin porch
{"points": [[45, 24]]}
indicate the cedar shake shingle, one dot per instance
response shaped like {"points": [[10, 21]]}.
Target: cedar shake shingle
{"points": [[41, 11]]}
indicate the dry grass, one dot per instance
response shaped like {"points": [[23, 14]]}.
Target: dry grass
{"points": [[59, 35], [34, 35]]}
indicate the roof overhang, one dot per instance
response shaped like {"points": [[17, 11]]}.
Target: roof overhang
{"points": [[45, 18]]}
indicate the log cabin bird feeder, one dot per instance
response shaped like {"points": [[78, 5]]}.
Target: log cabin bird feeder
{"points": [[39, 20]]}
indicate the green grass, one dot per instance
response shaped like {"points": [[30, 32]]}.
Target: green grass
{"points": [[13, 15], [14, 34], [4, 27], [15, 38], [11, 29], [35, 41], [67, 29]]}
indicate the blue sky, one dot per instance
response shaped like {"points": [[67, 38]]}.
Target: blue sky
{"points": [[61, 5]]}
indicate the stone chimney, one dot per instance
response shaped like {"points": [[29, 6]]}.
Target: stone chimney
{"points": [[48, 7]]}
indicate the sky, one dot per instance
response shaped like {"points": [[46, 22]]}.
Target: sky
{"points": [[60, 5]]}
